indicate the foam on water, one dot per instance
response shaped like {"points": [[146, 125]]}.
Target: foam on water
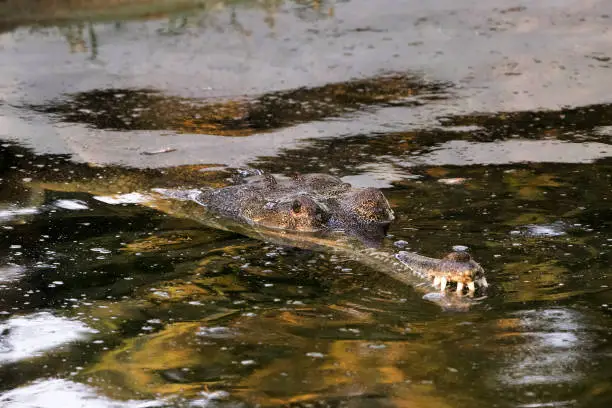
{"points": [[6, 215], [71, 204], [54, 392], [29, 336]]}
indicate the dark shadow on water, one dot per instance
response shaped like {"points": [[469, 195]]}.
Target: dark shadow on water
{"points": [[404, 150], [125, 110], [570, 123]]}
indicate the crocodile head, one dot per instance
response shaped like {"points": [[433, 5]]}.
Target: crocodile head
{"points": [[367, 206], [305, 203], [299, 213]]}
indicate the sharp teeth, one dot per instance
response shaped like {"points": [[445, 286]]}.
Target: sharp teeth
{"points": [[483, 282], [442, 284], [471, 286], [436, 281], [459, 288]]}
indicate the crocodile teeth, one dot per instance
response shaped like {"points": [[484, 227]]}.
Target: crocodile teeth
{"points": [[459, 288], [442, 284], [483, 282], [436, 281], [471, 286]]}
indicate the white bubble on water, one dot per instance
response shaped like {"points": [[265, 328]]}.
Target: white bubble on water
{"points": [[71, 204], [29, 336]]}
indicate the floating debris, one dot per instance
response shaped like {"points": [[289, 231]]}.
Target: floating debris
{"points": [[160, 151], [452, 181]]}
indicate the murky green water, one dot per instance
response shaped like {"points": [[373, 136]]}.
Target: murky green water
{"points": [[113, 304]]}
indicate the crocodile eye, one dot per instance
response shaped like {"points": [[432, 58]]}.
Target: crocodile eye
{"points": [[296, 206]]}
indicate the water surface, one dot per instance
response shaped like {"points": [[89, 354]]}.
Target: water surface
{"points": [[108, 303]]}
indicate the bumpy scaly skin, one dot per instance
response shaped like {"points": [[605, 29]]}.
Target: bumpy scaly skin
{"points": [[306, 203]]}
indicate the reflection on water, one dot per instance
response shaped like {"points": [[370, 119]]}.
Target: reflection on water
{"points": [[543, 230], [555, 345], [13, 213], [124, 109], [10, 272], [550, 355], [185, 312], [584, 123], [460, 153]]}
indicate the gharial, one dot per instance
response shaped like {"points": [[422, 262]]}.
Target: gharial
{"points": [[318, 212]]}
